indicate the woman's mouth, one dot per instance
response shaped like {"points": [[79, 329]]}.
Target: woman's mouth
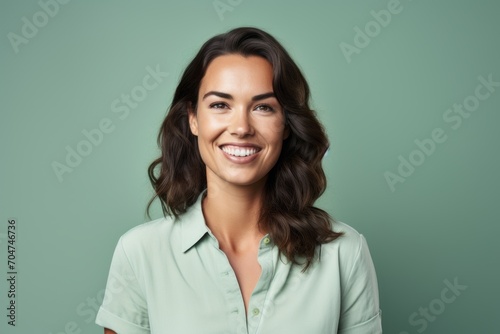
{"points": [[239, 151]]}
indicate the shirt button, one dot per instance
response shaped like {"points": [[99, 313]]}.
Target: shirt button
{"points": [[255, 311], [267, 240]]}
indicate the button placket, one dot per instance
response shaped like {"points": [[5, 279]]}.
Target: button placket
{"points": [[255, 312], [258, 298], [230, 287]]}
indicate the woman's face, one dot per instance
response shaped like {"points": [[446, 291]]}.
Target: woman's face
{"points": [[239, 123]]}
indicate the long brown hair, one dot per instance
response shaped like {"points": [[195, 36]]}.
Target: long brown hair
{"points": [[294, 183]]}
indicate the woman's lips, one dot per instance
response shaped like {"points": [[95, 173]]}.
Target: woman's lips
{"points": [[240, 153]]}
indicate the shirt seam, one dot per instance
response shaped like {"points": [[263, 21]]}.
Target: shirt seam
{"points": [[364, 323], [133, 271], [124, 320], [358, 254]]}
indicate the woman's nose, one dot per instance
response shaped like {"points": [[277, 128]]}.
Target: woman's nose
{"points": [[240, 124]]}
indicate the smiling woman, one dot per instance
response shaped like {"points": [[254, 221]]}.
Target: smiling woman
{"points": [[240, 130], [241, 247]]}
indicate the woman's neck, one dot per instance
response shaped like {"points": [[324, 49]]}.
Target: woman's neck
{"points": [[232, 214]]}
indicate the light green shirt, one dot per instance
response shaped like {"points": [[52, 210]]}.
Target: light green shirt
{"points": [[170, 276]]}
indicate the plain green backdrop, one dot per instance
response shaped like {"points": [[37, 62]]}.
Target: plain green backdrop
{"points": [[65, 70]]}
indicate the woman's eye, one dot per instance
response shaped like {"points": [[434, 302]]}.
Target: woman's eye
{"points": [[218, 105], [264, 107]]}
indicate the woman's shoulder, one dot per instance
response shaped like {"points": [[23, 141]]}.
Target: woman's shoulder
{"points": [[168, 230], [350, 234], [147, 235], [147, 228], [349, 244]]}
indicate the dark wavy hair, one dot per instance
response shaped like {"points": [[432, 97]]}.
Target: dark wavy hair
{"points": [[294, 183]]}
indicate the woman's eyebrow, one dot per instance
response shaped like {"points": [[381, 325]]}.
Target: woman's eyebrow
{"points": [[230, 97]]}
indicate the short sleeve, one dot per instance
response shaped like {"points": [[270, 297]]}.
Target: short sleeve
{"points": [[124, 308], [360, 312]]}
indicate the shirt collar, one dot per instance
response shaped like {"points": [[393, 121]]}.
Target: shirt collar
{"points": [[193, 226]]}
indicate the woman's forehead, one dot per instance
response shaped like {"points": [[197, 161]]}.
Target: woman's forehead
{"points": [[236, 73]]}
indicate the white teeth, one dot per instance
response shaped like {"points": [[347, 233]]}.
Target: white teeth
{"points": [[239, 152]]}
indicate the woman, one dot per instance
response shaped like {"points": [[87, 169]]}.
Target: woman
{"points": [[241, 249]]}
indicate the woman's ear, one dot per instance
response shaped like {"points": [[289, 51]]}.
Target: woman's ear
{"points": [[193, 120]]}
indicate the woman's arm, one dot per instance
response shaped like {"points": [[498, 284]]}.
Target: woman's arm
{"points": [[124, 306]]}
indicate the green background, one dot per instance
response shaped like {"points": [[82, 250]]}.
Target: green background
{"points": [[440, 224]]}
